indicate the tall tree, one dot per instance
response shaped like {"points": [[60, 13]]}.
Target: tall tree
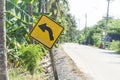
{"points": [[30, 13], [3, 57]]}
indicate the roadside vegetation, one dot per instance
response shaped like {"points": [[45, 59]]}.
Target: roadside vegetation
{"points": [[95, 35], [115, 45]]}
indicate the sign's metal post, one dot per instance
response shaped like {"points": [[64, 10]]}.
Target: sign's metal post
{"points": [[53, 65]]}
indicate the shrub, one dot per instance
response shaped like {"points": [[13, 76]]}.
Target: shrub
{"points": [[30, 57], [115, 45], [118, 50]]}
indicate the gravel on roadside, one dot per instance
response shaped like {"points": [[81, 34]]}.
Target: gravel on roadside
{"points": [[66, 68]]}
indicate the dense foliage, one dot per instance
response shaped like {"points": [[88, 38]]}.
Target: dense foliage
{"points": [[30, 57], [19, 20]]}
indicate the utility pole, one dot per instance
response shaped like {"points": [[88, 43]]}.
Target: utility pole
{"points": [[78, 23], [106, 24], [85, 27]]}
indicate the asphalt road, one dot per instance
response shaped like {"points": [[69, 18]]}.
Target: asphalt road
{"points": [[99, 64]]}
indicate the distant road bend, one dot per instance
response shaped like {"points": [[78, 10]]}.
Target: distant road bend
{"points": [[100, 64]]}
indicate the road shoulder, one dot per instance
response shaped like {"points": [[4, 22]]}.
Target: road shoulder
{"points": [[66, 68]]}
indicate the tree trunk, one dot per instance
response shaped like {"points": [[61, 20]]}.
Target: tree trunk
{"points": [[30, 13], [3, 56], [46, 6], [43, 7], [40, 6]]}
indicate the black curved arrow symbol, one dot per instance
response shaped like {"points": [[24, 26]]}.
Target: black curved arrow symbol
{"points": [[43, 27]]}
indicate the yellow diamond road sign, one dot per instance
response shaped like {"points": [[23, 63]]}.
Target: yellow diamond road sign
{"points": [[46, 31]]}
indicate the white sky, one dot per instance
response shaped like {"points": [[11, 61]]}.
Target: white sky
{"points": [[95, 10]]}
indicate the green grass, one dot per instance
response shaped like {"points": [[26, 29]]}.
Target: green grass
{"points": [[19, 74]]}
